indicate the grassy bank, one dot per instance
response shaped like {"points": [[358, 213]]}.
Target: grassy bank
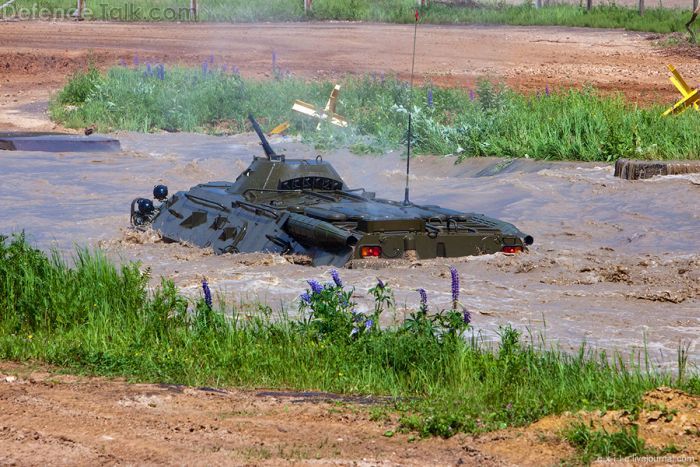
{"points": [[99, 319], [489, 120], [661, 20]]}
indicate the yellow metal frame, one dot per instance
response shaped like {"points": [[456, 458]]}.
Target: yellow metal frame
{"points": [[328, 113], [690, 96]]}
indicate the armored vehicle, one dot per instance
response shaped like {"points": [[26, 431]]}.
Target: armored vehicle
{"points": [[303, 207]]}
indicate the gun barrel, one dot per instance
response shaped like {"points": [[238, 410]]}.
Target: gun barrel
{"points": [[269, 152], [317, 232]]}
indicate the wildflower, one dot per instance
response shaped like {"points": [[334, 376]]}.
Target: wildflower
{"points": [[546, 90], [207, 293], [466, 316], [224, 69], [472, 96], [160, 72], [354, 332], [149, 71], [122, 63], [423, 298], [235, 70], [455, 286], [336, 278], [305, 297], [211, 59], [380, 283], [368, 324], [136, 61], [430, 98], [205, 68], [315, 286]]}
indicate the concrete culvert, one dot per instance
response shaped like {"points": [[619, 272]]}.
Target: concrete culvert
{"points": [[631, 169]]}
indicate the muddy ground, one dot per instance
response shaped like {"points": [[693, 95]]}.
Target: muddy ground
{"points": [[615, 263], [50, 418]]}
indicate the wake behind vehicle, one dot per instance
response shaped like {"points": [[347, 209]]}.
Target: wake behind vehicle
{"points": [[303, 207]]}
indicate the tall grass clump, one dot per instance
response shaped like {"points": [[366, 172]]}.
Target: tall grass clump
{"points": [[490, 120], [592, 444], [93, 317], [609, 15]]}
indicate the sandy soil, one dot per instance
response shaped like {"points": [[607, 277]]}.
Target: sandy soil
{"points": [[37, 57], [56, 419]]}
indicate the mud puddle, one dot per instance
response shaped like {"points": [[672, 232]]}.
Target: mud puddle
{"points": [[615, 263]]}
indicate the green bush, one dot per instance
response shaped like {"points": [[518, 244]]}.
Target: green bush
{"points": [[490, 120]]}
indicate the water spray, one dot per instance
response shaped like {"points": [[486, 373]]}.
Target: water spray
{"points": [[406, 200]]}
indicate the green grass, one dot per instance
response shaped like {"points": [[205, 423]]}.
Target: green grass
{"points": [[592, 444], [490, 120], [96, 318], [660, 20]]}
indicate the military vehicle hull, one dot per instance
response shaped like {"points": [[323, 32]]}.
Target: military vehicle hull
{"points": [[304, 207]]}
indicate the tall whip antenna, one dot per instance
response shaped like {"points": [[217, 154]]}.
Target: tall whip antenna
{"points": [[410, 111]]}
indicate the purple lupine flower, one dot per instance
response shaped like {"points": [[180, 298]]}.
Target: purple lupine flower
{"points": [[455, 286], [211, 59], [160, 72], [546, 90], [315, 286], [430, 98], [136, 61], [205, 68], [149, 71], [423, 298], [368, 324], [472, 96], [466, 317], [224, 69], [354, 332], [305, 297], [235, 70], [122, 62], [336, 278], [207, 293], [380, 283]]}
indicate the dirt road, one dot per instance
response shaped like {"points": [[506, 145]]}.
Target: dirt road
{"points": [[58, 419], [52, 419], [37, 57]]}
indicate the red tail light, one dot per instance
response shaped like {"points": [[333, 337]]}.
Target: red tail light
{"points": [[371, 251], [512, 249]]}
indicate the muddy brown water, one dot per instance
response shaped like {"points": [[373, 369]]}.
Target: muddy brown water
{"points": [[615, 264]]}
